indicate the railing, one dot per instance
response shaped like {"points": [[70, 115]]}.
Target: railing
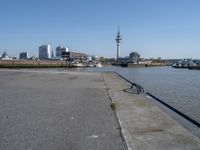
{"points": [[139, 88], [175, 110]]}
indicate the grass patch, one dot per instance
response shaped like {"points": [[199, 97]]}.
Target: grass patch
{"points": [[113, 106]]}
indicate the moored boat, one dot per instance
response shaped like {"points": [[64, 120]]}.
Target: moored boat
{"points": [[98, 65], [77, 64]]}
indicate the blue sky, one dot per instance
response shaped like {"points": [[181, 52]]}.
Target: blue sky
{"points": [[153, 28]]}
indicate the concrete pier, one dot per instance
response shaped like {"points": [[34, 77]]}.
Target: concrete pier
{"points": [[144, 125], [48, 110], [52, 110]]}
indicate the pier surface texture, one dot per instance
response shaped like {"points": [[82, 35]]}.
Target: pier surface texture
{"points": [[47, 110], [144, 125], [60, 110]]}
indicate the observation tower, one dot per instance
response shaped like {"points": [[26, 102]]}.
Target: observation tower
{"points": [[118, 41]]}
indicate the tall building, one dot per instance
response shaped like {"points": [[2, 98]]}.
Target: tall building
{"points": [[45, 52], [118, 40], [52, 54], [60, 50], [23, 55]]}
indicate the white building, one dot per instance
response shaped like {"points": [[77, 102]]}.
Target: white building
{"points": [[59, 51], [5, 56], [45, 52]]}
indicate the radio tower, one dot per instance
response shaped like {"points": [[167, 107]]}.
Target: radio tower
{"points": [[118, 39]]}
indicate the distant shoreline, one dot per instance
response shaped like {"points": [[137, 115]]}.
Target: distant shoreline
{"points": [[32, 64]]}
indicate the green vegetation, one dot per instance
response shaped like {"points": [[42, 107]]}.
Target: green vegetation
{"points": [[113, 106]]}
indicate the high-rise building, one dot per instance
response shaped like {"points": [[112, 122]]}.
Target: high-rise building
{"points": [[60, 50], [45, 52], [23, 55], [118, 40]]}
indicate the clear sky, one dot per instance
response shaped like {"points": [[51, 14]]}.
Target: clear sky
{"points": [[153, 28]]}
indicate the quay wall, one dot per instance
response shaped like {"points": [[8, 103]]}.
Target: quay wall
{"points": [[194, 68], [31, 63], [131, 65]]}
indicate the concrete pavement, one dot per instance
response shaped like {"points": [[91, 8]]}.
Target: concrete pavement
{"points": [[48, 110], [144, 125], [52, 110]]}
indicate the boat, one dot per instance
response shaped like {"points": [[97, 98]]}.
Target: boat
{"points": [[99, 65], [186, 63], [77, 64], [180, 65], [89, 65]]}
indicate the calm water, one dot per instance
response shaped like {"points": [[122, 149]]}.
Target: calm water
{"points": [[178, 87]]}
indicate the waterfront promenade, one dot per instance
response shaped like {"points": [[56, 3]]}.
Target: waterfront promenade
{"points": [[44, 109]]}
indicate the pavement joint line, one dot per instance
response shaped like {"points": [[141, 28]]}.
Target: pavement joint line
{"points": [[125, 135]]}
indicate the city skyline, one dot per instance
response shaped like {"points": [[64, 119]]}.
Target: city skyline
{"points": [[167, 29]]}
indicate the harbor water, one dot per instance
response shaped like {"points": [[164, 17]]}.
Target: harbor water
{"points": [[179, 88]]}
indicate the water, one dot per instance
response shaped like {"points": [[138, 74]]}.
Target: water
{"points": [[178, 87]]}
